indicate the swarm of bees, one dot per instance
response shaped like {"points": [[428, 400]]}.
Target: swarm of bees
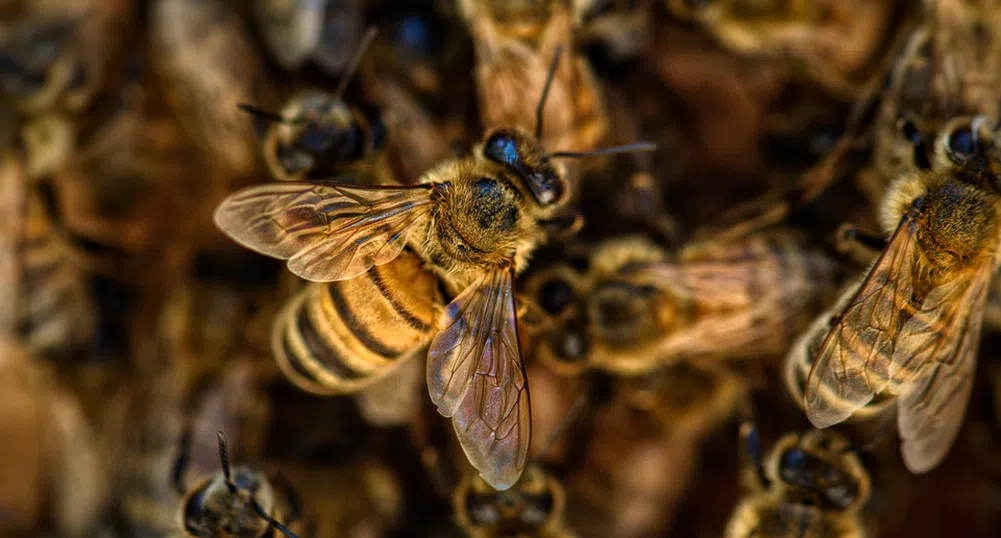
{"points": [[500, 268]]}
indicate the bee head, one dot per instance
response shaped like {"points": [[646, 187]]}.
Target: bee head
{"points": [[213, 510], [972, 143], [319, 132], [556, 290], [521, 153], [533, 502], [821, 466]]}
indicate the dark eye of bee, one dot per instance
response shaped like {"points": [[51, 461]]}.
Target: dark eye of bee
{"points": [[555, 295], [193, 509], [911, 133], [962, 144], [503, 149]]}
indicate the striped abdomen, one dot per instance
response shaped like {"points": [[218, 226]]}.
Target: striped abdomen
{"points": [[55, 311], [340, 336]]}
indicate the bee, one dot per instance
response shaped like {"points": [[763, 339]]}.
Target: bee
{"points": [[911, 327], [205, 62], [839, 44], [659, 424], [319, 135], [533, 507], [811, 484], [469, 225], [636, 309], [513, 42], [938, 77], [239, 501], [51, 309]]}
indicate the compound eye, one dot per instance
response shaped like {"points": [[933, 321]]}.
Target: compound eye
{"points": [[962, 144], [502, 148], [555, 296]]}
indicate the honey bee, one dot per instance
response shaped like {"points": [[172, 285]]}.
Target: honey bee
{"points": [[938, 77], [533, 507], [319, 135], [911, 328], [473, 220], [514, 41], [51, 309], [811, 484], [636, 309], [207, 65], [839, 44], [238, 501]]}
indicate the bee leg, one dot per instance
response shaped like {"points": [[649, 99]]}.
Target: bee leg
{"points": [[181, 462], [860, 246], [751, 442]]}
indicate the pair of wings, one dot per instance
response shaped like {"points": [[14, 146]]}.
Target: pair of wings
{"points": [[331, 232], [924, 353]]}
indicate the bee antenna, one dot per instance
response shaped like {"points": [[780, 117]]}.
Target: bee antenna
{"points": [[271, 521], [224, 460], [349, 73], [561, 428], [545, 91], [262, 114], [628, 148]]}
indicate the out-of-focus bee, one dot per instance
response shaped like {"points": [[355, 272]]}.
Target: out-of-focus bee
{"points": [[533, 507], [298, 31], [55, 55], [207, 65], [49, 457], [514, 42], [240, 501], [948, 68], [636, 309], [473, 220], [810, 485], [839, 44], [51, 304], [319, 135], [911, 328]]}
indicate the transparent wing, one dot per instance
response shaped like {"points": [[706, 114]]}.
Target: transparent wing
{"points": [[475, 375], [853, 363], [326, 232], [934, 362]]}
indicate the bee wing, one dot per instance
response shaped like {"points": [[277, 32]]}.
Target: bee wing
{"points": [[853, 362], [934, 362], [326, 232], [475, 375]]}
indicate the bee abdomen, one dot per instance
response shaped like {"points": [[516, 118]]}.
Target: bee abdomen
{"points": [[55, 307], [340, 336]]}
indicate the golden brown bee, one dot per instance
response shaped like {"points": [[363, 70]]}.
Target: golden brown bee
{"points": [[207, 66], [839, 44], [473, 221], [810, 485], [319, 135], [636, 309], [533, 507], [240, 502], [51, 306], [514, 42], [911, 328], [948, 68]]}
